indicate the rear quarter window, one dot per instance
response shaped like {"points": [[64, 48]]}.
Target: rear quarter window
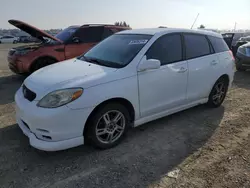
{"points": [[218, 44]]}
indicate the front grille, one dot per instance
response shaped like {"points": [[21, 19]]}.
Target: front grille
{"points": [[28, 94], [11, 52]]}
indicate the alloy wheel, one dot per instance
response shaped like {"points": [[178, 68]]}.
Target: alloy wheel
{"points": [[219, 93], [110, 127]]}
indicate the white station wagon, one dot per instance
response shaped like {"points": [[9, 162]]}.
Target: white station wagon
{"points": [[128, 79]]}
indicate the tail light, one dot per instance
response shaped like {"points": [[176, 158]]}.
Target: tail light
{"points": [[232, 55]]}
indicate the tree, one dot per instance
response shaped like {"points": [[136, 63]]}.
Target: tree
{"points": [[121, 24], [202, 26]]}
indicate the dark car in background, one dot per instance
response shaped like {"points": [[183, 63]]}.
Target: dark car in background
{"points": [[243, 57], [232, 38], [242, 40], [69, 43]]}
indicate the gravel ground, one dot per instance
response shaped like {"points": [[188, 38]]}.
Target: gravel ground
{"points": [[209, 147]]}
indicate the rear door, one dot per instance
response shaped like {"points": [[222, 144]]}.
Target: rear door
{"points": [[226, 60], [202, 63], [87, 38], [11, 39]]}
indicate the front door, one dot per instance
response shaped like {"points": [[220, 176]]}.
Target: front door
{"points": [[83, 40], [164, 88]]}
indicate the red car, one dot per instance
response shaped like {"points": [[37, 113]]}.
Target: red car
{"points": [[71, 42]]}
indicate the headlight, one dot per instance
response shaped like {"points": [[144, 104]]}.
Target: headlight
{"points": [[23, 52], [248, 51], [242, 50], [60, 98]]}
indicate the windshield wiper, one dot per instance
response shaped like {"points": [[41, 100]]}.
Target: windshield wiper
{"points": [[91, 60], [100, 62]]}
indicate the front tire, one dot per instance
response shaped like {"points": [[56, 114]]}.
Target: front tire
{"points": [[218, 93], [108, 126], [14, 42]]}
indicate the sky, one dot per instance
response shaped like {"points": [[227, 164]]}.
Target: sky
{"points": [[47, 14]]}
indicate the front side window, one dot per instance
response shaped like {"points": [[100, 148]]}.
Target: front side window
{"points": [[218, 44], [166, 49], [196, 46], [117, 50], [66, 33]]}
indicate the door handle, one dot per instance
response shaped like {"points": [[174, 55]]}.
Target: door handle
{"points": [[182, 70], [214, 62]]}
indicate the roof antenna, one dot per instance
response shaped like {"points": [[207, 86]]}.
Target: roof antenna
{"points": [[195, 20]]}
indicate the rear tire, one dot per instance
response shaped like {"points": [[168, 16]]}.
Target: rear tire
{"points": [[218, 93], [103, 131], [40, 63]]}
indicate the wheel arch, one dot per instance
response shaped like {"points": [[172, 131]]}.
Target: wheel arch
{"points": [[122, 101], [224, 76], [41, 57]]}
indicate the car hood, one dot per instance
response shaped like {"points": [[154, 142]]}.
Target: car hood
{"points": [[247, 45], [69, 73], [33, 31]]}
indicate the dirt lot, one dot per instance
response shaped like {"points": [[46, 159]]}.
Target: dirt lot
{"points": [[210, 147]]}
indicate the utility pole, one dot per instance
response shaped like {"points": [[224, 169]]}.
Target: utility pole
{"points": [[235, 26], [195, 20]]}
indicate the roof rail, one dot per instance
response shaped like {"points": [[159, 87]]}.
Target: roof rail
{"points": [[87, 25]]}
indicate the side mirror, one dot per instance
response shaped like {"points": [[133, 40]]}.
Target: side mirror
{"points": [[149, 64], [76, 40]]}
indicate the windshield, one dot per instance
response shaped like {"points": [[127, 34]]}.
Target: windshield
{"points": [[66, 33], [117, 50]]}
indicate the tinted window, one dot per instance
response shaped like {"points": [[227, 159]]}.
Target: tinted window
{"points": [[167, 49], [117, 50], [219, 44], [107, 32], [196, 46], [90, 34]]}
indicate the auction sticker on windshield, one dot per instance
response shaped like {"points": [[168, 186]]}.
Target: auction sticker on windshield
{"points": [[138, 42]]}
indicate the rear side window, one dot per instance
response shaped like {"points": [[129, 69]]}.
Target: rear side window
{"points": [[106, 33], [196, 46], [167, 49], [218, 44], [90, 34]]}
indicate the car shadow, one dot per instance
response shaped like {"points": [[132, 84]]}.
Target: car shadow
{"points": [[8, 86], [242, 79], [146, 154]]}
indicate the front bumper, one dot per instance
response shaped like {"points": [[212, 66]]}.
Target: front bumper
{"points": [[15, 65], [49, 146], [50, 129]]}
